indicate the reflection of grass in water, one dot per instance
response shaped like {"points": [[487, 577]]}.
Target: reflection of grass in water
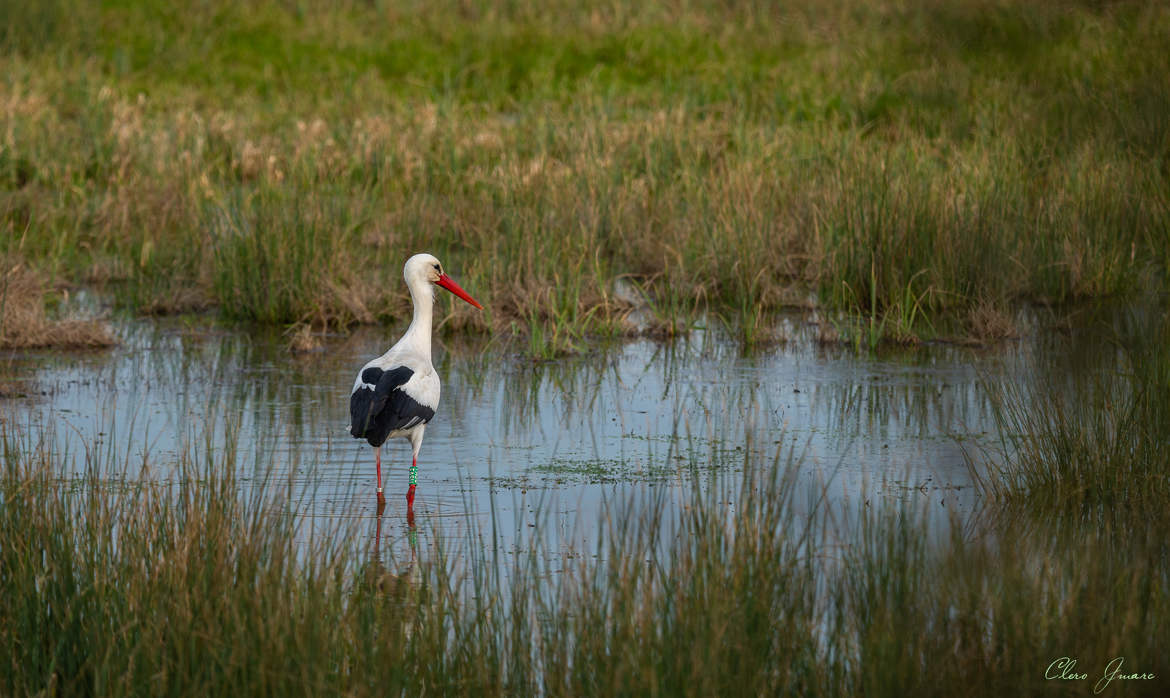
{"points": [[189, 588]]}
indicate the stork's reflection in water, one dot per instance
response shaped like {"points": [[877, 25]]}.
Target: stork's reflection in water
{"points": [[394, 586]]}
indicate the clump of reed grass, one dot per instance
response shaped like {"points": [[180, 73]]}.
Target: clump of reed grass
{"points": [[989, 321], [279, 261], [25, 322], [1091, 442], [302, 339], [991, 611]]}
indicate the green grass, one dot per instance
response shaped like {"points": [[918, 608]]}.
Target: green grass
{"points": [[278, 258], [904, 164]]}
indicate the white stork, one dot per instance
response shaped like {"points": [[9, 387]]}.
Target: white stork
{"points": [[396, 394]]}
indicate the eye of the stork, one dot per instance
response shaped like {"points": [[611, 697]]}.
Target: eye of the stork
{"points": [[438, 269]]}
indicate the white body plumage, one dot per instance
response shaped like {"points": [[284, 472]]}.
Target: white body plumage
{"points": [[396, 394]]}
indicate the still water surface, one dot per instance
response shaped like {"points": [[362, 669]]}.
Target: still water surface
{"points": [[531, 446]]}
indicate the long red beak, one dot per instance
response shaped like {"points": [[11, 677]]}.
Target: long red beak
{"points": [[446, 282]]}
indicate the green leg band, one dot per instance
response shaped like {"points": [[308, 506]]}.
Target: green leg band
{"points": [[414, 474]]}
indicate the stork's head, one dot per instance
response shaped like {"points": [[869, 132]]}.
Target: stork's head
{"points": [[424, 270]]}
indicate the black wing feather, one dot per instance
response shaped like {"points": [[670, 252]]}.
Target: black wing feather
{"points": [[374, 414]]}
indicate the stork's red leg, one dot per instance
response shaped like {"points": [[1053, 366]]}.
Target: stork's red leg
{"points": [[378, 458], [413, 482]]}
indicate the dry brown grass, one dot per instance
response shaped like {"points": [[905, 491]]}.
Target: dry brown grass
{"points": [[302, 340], [11, 387], [25, 322], [989, 322]]}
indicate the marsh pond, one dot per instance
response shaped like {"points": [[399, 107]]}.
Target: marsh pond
{"points": [[520, 446]]}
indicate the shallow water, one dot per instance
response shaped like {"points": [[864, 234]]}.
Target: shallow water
{"points": [[531, 446]]}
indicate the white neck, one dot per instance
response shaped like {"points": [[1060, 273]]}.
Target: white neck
{"points": [[418, 335]]}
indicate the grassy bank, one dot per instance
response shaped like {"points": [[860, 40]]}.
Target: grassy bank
{"points": [[910, 165]]}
